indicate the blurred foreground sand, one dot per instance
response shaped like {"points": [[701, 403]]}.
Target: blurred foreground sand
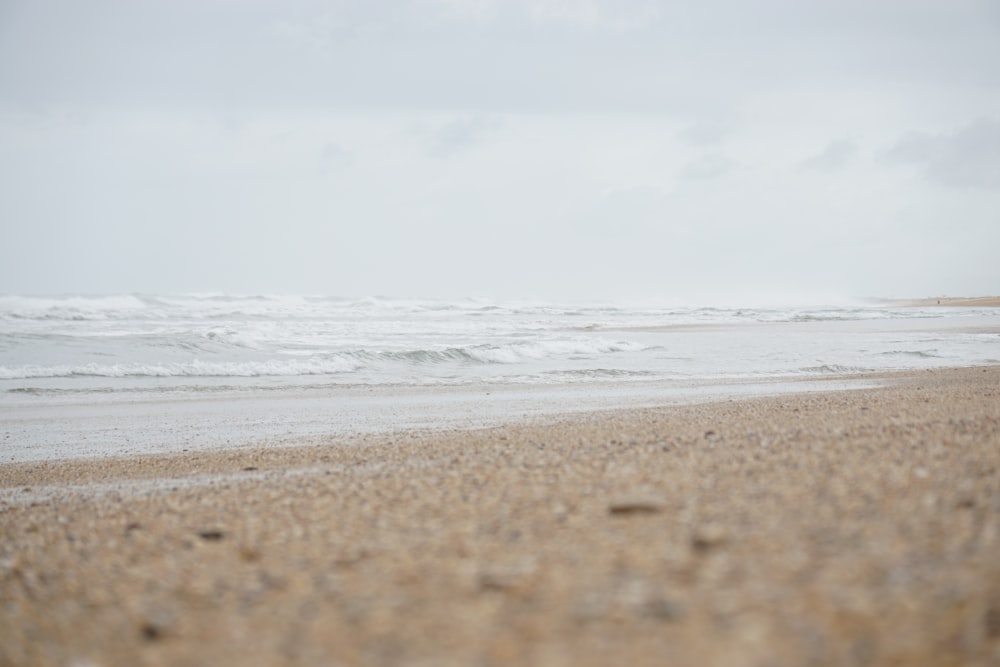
{"points": [[851, 528]]}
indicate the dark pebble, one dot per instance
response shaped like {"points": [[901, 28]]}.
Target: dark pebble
{"points": [[211, 535]]}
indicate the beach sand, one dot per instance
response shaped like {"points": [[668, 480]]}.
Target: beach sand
{"points": [[953, 302], [857, 527]]}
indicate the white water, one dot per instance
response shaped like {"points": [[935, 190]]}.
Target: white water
{"points": [[132, 342]]}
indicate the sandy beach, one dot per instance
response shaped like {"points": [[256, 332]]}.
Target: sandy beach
{"points": [[856, 527], [952, 302]]}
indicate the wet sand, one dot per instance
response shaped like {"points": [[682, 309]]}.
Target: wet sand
{"points": [[856, 527]]}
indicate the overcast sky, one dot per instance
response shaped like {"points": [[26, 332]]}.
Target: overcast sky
{"points": [[627, 149]]}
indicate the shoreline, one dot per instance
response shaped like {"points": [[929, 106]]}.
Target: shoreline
{"points": [[945, 302], [84, 427], [856, 526]]}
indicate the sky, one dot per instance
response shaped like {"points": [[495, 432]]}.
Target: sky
{"points": [[681, 151]]}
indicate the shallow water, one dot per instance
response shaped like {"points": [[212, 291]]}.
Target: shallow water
{"points": [[81, 425]]}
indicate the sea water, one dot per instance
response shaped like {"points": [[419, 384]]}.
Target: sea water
{"points": [[193, 342], [329, 364]]}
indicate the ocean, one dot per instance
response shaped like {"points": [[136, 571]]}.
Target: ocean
{"points": [[363, 361]]}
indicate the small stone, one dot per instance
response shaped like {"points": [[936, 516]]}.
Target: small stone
{"points": [[636, 505], [991, 621], [505, 577], [150, 632], [498, 580], [211, 535], [664, 609], [249, 553], [965, 502], [708, 537]]}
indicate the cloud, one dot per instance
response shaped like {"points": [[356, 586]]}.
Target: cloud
{"points": [[683, 59], [707, 167], [484, 122], [705, 133], [475, 10], [837, 154], [967, 157], [461, 134], [608, 15], [335, 156], [618, 16]]}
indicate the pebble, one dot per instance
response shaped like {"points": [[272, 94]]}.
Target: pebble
{"points": [[709, 537], [637, 504]]}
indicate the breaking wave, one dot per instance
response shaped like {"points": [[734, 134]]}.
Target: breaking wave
{"points": [[191, 369], [920, 354], [331, 363], [380, 340], [832, 369]]}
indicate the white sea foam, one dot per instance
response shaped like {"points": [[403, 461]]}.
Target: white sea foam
{"points": [[194, 369], [113, 341], [72, 308], [304, 362]]}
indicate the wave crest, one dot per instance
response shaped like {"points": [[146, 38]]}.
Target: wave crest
{"points": [[330, 363]]}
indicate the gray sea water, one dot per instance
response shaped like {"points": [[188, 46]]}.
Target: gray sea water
{"points": [[197, 342]]}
